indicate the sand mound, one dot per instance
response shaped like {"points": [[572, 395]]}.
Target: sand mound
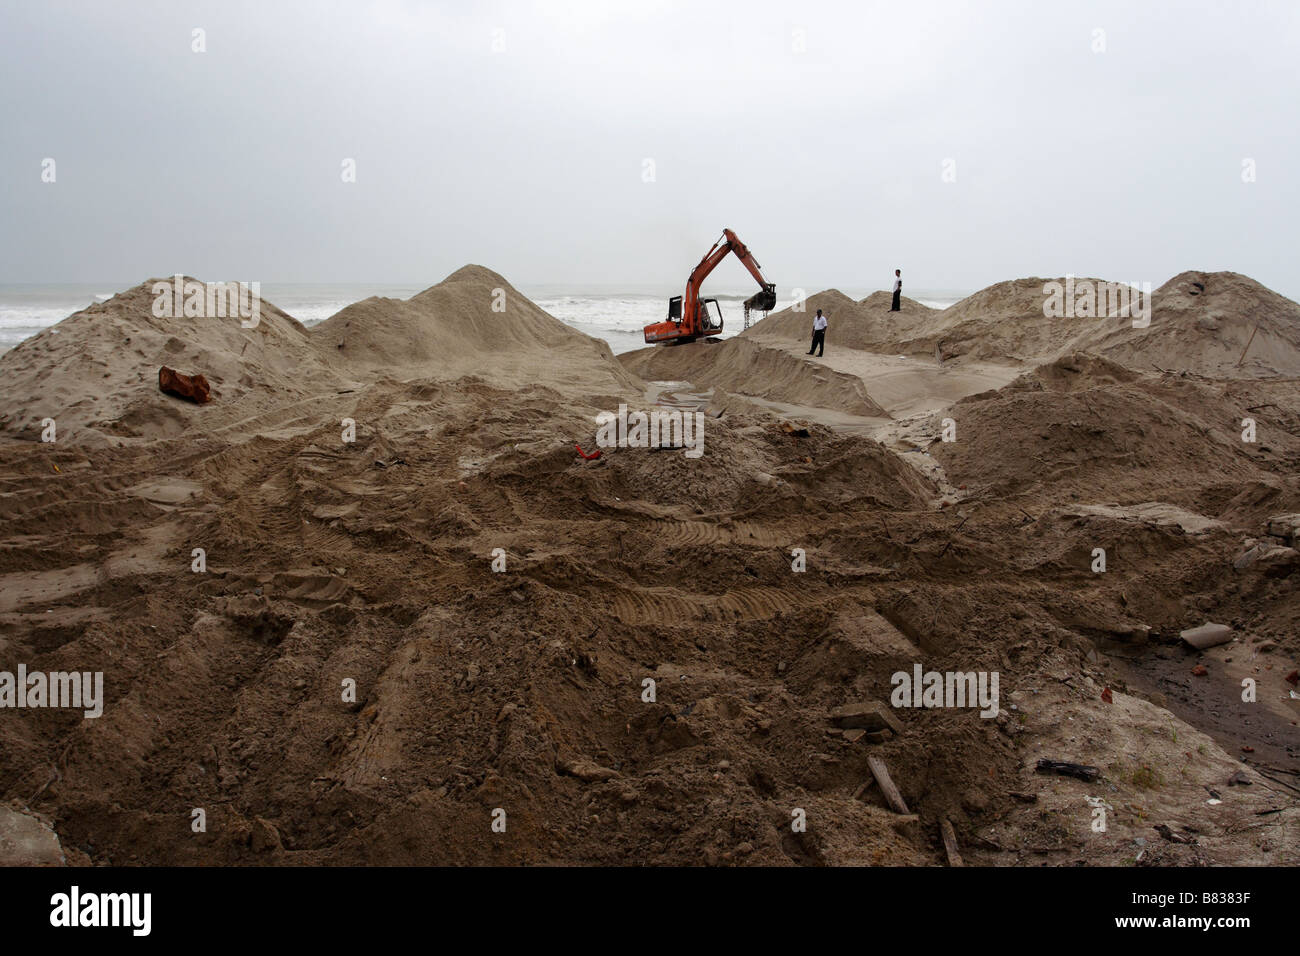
{"points": [[753, 369], [472, 322], [1201, 322], [1004, 322], [797, 324], [96, 372], [1089, 428], [856, 325]]}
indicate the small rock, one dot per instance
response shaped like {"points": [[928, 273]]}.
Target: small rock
{"points": [[1199, 670], [26, 840]]}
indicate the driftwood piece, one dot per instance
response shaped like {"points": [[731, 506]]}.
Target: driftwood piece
{"points": [[950, 842], [892, 796]]}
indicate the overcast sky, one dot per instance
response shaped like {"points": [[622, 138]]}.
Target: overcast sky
{"points": [[818, 131]]}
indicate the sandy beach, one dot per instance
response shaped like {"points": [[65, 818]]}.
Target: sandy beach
{"points": [[499, 602]]}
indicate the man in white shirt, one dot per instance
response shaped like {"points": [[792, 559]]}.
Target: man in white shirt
{"points": [[898, 290], [819, 334]]}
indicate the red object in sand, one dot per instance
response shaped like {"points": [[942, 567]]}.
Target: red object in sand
{"points": [[594, 454], [193, 387], [1105, 695]]}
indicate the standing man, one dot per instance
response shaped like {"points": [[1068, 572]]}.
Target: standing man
{"points": [[898, 289], [819, 334]]}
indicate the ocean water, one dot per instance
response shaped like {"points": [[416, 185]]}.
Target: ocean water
{"points": [[617, 317]]}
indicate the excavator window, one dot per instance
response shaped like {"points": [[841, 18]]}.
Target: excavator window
{"points": [[711, 313], [675, 308]]}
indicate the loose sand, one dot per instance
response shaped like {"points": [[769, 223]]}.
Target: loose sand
{"points": [[371, 561]]}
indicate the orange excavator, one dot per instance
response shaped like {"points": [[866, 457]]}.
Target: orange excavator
{"points": [[690, 317]]}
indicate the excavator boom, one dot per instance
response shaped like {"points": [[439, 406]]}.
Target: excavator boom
{"points": [[688, 315]]}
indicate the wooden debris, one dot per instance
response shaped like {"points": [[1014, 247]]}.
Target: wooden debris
{"points": [[949, 842], [870, 716], [892, 796]]}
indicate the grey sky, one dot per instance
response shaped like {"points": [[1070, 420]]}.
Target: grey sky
{"points": [[226, 164]]}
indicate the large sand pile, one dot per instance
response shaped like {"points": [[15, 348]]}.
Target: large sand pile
{"points": [[867, 324], [96, 372], [1203, 322], [471, 323], [1003, 323], [753, 369], [1199, 322], [1093, 429]]}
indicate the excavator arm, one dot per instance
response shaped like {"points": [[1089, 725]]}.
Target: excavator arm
{"points": [[693, 322]]}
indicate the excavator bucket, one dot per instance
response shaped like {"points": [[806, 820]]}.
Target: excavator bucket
{"points": [[764, 301]]}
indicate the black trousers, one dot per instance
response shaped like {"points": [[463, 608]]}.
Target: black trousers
{"points": [[898, 294], [819, 342]]}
